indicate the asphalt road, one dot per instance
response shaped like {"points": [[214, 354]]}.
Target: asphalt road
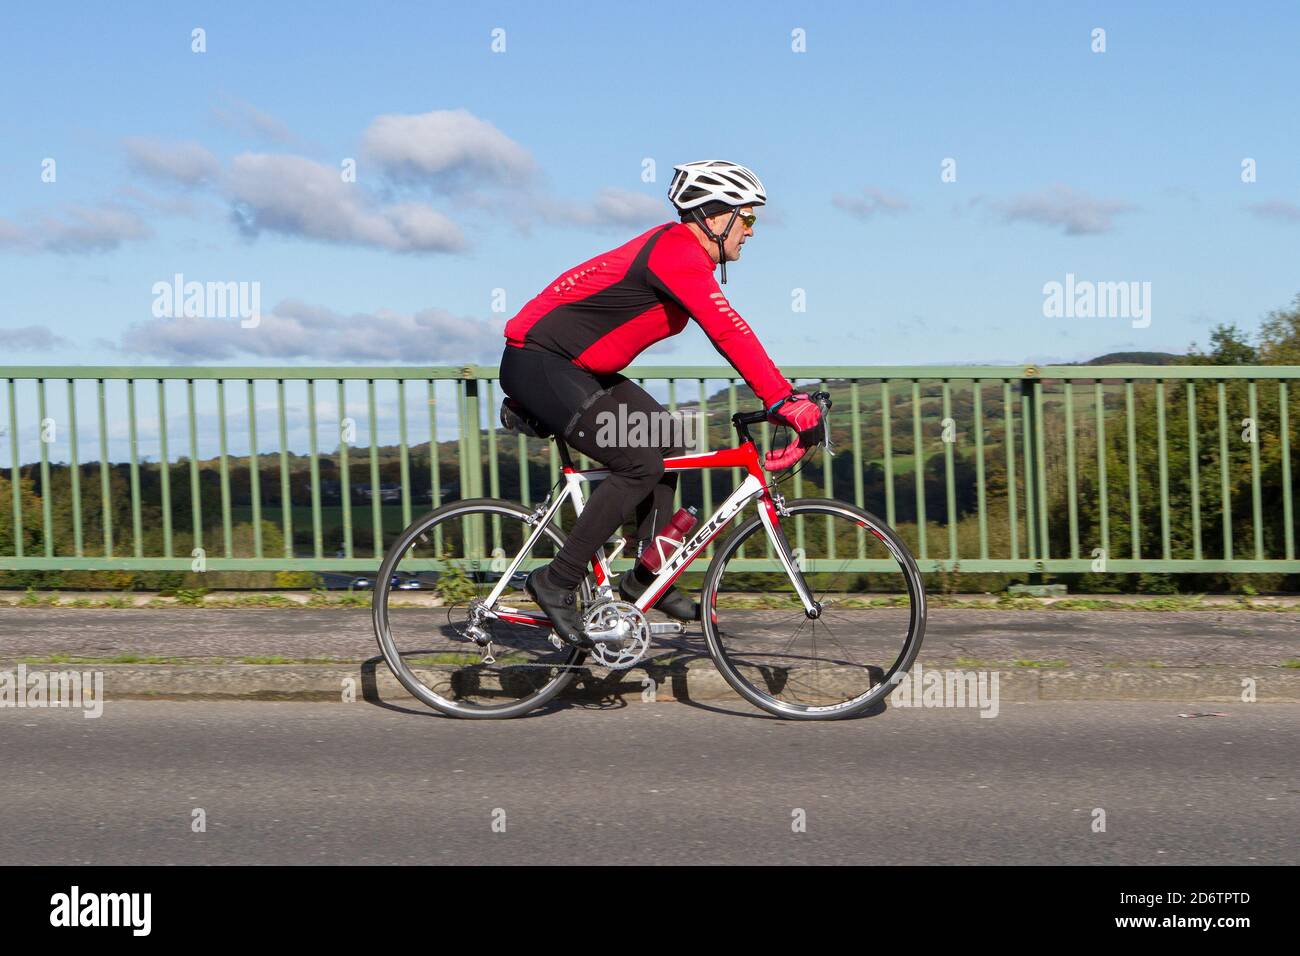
{"points": [[651, 783]]}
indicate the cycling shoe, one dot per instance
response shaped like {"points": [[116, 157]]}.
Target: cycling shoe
{"points": [[560, 605], [672, 602]]}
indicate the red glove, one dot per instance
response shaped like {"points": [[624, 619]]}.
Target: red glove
{"points": [[805, 417]]}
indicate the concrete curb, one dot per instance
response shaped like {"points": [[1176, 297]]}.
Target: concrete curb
{"points": [[697, 681], [290, 599]]}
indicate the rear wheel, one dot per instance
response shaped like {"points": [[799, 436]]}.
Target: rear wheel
{"points": [[459, 553], [867, 629]]}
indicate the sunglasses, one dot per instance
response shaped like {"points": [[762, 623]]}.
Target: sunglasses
{"points": [[748, 218]]}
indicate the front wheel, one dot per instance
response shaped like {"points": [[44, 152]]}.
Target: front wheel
{"points": [[868, 622]]}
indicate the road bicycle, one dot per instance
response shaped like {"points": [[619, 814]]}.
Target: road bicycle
{"points": [[821, 628]]}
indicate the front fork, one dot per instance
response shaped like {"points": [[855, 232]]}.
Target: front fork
{"points": [[770, 513]]}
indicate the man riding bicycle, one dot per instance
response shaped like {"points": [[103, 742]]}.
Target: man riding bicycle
{"points": [[566, 347]]}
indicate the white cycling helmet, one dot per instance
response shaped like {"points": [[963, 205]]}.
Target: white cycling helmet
{"points": [[716, 183], [710, 186]]}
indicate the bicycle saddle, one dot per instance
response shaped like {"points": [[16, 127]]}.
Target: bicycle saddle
{"points": [[516, 418]]}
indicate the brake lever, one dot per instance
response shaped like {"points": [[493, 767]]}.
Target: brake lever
{"points": [[824, 402]]}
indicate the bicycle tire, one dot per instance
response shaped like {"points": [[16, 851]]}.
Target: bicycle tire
{"points": [[857, 705]]}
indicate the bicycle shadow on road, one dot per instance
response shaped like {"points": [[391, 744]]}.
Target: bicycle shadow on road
{"points": [[371, 695], [669, 669]]}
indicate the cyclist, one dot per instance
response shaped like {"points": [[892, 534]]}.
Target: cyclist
{"points": [[566, 347]]}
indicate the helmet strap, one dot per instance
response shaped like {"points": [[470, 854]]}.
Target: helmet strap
{"points": [[722, 251]]}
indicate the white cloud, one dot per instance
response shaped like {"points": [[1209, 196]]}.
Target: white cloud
{"points": [[1276, 209], [75, 229], [1060, 206], [876, 201], [473, 164], [445, 148], [30, 338], [248, 120], [189, 164], [610, 209], [187, 205], [297, 330], [295, 196]]}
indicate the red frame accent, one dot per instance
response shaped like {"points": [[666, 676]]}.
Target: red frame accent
{"points": [[524, 617], [744, 456]]}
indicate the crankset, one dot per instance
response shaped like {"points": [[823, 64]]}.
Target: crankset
{"points": [[621, 633]]}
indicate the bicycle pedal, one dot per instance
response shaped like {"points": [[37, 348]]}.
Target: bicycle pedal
{"points": [[561, 644]]}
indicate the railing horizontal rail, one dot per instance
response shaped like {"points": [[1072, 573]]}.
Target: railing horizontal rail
{"points": [[664, 372]]}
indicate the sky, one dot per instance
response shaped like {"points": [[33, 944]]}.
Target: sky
{"points": [[496, 145]]}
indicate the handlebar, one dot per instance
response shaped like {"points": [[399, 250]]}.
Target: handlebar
{"points": [[741, 420]]}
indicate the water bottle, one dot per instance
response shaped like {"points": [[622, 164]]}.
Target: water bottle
{"points": [[668, 541]]}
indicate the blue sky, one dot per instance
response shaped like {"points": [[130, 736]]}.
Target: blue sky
{"points": [[479, 171]]}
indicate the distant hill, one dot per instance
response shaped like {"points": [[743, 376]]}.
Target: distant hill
{"points": [[1137, 358]]}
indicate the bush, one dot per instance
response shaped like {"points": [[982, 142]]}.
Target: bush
{"points": [[191, 596], [454, 584], [1157, 584], [298, 580]]}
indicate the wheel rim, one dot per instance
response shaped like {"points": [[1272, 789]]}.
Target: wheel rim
{"points": [[457, 556], [843, 661]]}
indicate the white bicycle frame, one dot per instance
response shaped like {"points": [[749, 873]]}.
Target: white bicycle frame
{"points": [[748, 490]]}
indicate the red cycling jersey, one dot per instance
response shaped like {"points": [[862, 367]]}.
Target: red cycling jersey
{"points": [[603, 313]]}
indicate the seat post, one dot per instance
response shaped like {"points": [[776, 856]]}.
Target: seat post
{"points": [[565, 459]]}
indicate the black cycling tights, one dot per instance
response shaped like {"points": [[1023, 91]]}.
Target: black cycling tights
{"points": [[568, 401]]}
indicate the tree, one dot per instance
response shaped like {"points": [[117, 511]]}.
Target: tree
{"points": [[1279, 336], [1228, 346]]}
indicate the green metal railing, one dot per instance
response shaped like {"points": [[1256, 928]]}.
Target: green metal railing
{"points": [[1060, 469]]}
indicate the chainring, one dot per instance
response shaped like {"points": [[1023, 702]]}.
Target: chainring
{"points": [[621, 633]]}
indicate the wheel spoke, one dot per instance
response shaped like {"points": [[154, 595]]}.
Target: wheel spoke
{"points": [[831, 634], [797, 631]]}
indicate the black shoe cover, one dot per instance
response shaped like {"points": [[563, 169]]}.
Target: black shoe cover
{"points": [[672, 602], [560, 605]]}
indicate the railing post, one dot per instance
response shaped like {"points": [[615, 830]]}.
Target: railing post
{"points": [[472, 457], [1030, 387], [473, 451]]}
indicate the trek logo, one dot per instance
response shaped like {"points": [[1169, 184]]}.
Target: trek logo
{"points": [[701, 538], [103, 909]]}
